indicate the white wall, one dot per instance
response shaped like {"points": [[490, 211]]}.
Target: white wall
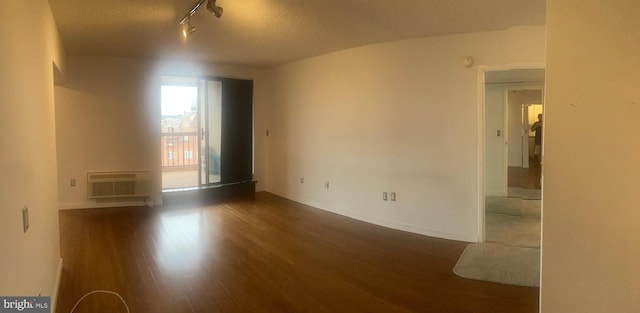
{"points": [[591, 221], [398, 117], [28, 261], [108, 118], [494, 145]]}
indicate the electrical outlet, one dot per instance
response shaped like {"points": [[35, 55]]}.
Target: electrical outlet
{"points": [[384, 196], [326, 185], [393, 196], [302, 179], [25, 218], [72, 182]]}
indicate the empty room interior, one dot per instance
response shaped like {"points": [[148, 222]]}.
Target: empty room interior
{"points": [[320, 156]]}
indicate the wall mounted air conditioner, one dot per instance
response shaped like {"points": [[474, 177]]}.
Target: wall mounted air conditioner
{"points": [[123, 184]]}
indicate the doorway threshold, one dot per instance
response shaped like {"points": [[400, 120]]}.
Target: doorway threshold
{"points": [[204, 195]]}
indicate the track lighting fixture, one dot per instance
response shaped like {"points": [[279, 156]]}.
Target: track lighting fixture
{"points": [[213, 8], [187, 28]]}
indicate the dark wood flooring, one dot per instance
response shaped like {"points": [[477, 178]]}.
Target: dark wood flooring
{"points": [[264, 254]]}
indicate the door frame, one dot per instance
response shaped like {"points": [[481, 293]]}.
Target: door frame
{"points": [[480, 79]]}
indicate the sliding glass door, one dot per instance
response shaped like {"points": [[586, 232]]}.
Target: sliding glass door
{"points": [[210, 130], [207, 131], [179, 132]]}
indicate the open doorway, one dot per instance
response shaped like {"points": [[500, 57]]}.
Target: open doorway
{"points": [[510, 227], [513, 100], [512, 189]]}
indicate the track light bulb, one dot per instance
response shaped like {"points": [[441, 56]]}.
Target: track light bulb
{"points": [[213, 8], [187, 29]]}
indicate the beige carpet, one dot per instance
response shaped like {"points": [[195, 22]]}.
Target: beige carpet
{"points": [[511, 253], [512, 206], [512, 221], [531, 194], [512, 230], [500, 264]]}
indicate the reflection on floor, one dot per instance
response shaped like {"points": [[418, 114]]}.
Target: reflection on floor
{"points": [[524, 194], [526, 178]]}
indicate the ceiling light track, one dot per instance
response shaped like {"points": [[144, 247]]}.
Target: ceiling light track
{"points": [[187, 28]]}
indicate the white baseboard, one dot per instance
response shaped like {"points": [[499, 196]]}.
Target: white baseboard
{"points": [[388, 223], [56, 287], [397, 225]]}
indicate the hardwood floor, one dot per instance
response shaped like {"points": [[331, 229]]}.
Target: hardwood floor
{"points": [[264, 254]]}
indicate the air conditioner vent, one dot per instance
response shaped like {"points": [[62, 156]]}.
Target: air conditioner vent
{"points": [[101, 185]]}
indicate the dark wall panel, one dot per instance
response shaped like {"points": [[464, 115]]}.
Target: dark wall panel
{"points": [[237, 130]]}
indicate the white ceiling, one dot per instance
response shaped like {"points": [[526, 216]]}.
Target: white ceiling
{"points": [[270, 32]]}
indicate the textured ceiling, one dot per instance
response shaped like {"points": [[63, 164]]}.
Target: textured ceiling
{"points": [[270, 32]]}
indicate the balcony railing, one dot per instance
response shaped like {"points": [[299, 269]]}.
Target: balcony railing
{"points": [[180, 151]]}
